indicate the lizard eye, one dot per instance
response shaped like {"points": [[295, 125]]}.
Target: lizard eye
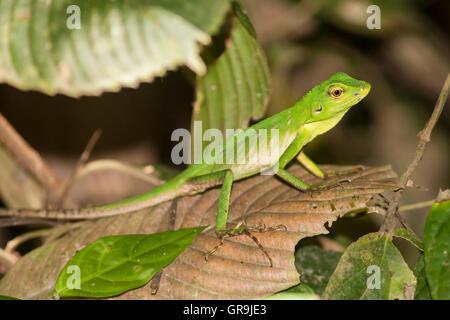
{"points": [[336, 92]]}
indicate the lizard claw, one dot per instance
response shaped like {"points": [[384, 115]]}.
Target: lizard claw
{"points": [[248, 232]]}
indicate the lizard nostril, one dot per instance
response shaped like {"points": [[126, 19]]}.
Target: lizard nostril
{"points": [[356, 94]]}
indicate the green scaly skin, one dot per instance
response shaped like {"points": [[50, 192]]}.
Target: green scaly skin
{"points": [[316, 113]]}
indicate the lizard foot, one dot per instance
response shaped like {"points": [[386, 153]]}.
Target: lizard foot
{"points": [[238, 230]]}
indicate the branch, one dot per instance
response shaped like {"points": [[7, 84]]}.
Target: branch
{"points": [[425, 137], [81, 163], [26, 155], [21, 221]]}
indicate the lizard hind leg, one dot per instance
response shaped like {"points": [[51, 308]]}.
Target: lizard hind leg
{"points": [[222, 215]]}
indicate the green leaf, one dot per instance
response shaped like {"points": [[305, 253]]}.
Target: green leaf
{"points": [[407, 235], [236, 87], [298, 292], [8, 298], [422, 288], [300, 288], [315, 266], [365, 261], [115, 264], [119, 43], [437, 248], [293, 296], [239, 12]]}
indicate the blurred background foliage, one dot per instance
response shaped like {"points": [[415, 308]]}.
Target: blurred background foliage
{"points": [[406, 61]]}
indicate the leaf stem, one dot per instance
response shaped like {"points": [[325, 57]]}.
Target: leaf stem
{"points": [[417, 205], [85, 155]]}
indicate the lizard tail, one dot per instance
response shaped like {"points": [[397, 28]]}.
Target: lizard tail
{"points": [[165, 192]]}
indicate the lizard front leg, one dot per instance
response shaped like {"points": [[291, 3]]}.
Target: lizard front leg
{"points": [[290, 153], [306, 162], [293, 149], [311, 166]]}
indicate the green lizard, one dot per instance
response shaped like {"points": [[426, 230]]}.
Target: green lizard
{"points": [[317, 112]]}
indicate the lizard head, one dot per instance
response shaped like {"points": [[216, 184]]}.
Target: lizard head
{"points": [[336, 95]]}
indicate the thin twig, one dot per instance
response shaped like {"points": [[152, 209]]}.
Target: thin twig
{"points": [[12, 244], [26, 155], [49, 234], [20, 221], [425, 137], [156, 280], [81, 162], [418, 205]]}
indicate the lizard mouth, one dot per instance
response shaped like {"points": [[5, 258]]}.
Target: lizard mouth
{"points": [[346, 105], [357, 97]]}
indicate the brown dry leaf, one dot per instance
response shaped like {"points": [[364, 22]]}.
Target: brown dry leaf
{"points": [[238, 270]]}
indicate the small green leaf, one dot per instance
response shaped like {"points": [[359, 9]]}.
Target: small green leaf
{"points": [[371, 268], [8, 298], [437, 248], [300, 288], [407, 235], [115, 264], [316, 266], [293, 296], [422, 288]]}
